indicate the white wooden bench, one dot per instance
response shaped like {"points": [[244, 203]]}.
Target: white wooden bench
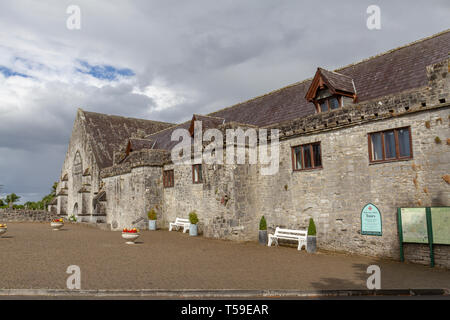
{"points": [[179, 222], [289, 234]]}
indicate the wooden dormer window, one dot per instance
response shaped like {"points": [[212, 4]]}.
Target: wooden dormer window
{"points": [[328, 104], [328, 88]]}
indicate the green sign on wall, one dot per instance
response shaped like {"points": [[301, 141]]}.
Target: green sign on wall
{"points": [[371, 221]]}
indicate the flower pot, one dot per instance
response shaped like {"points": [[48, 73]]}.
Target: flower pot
{"points": [[56, 225], [3, 231], [262, 237], [151, 224], [311, 246], [193, 230], [130, 237]]}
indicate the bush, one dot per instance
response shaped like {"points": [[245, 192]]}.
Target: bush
{"points": [[262, 224], [311, 228], [151, 214], [193, 217]]}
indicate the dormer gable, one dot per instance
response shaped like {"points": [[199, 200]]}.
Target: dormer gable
{"points": [[328, 89]]}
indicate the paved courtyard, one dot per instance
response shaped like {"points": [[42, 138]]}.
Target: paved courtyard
{"points": [[34, 256]]}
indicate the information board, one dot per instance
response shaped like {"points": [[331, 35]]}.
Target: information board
{"points": [[414, 225], [440, 217]]}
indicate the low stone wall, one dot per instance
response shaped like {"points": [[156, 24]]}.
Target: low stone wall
{"points": [[26, 215], [420, 253]]}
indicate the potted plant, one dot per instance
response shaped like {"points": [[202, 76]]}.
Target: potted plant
{"points": [[57, 224], [263, 231], [130, 235], [193, 219], [72, 218], [3, 229], [311, 238], [151, 219]]}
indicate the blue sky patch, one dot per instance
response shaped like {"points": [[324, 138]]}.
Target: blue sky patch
{"points": [[103, 72], [7, 72]]}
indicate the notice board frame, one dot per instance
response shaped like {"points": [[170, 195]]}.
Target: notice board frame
{"points": [[429, 231]]}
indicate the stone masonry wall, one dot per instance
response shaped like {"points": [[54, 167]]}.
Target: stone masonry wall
{"points": [[223, 202], [131, 195], [420, 253], [79, 142], [26, 215]]}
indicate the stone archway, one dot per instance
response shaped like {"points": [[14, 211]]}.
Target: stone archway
{"points": [[75, 210]]}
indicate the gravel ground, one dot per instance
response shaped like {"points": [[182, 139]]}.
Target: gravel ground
{"points": [[34, 256]]}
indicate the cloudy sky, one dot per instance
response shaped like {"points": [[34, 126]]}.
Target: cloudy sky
{"points": [[167, 59]]}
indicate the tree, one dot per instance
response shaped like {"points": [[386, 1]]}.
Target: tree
{"points": [[43, 204], [1, 203], [11, 199]]}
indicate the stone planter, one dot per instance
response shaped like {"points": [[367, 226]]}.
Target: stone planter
{"points": [[3, 231], [56, 225], [130, 237], [151, 224], [311, 246], [262, 237], [193, 230]]}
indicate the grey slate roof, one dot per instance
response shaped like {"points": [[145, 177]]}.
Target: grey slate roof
{"points": [[108, 133]]}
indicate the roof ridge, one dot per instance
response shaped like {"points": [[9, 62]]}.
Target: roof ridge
{"points": [[117, 116], [392, 50], [208, 116], [340, 74], [175, 125]]}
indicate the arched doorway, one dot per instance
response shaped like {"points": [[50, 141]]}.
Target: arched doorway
{"points": [[75, 210]]}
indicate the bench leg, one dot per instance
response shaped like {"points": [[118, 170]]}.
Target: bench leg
{"points": [[269, 243], [301, 244], [170, 226]]}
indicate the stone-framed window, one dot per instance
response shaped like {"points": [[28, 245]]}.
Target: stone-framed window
{"points": [[306, 157], [168, 179], [197, 176], [390, 145]]}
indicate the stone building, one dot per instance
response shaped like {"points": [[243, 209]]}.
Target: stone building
{"points": [[376, 131], [95, 137]]}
